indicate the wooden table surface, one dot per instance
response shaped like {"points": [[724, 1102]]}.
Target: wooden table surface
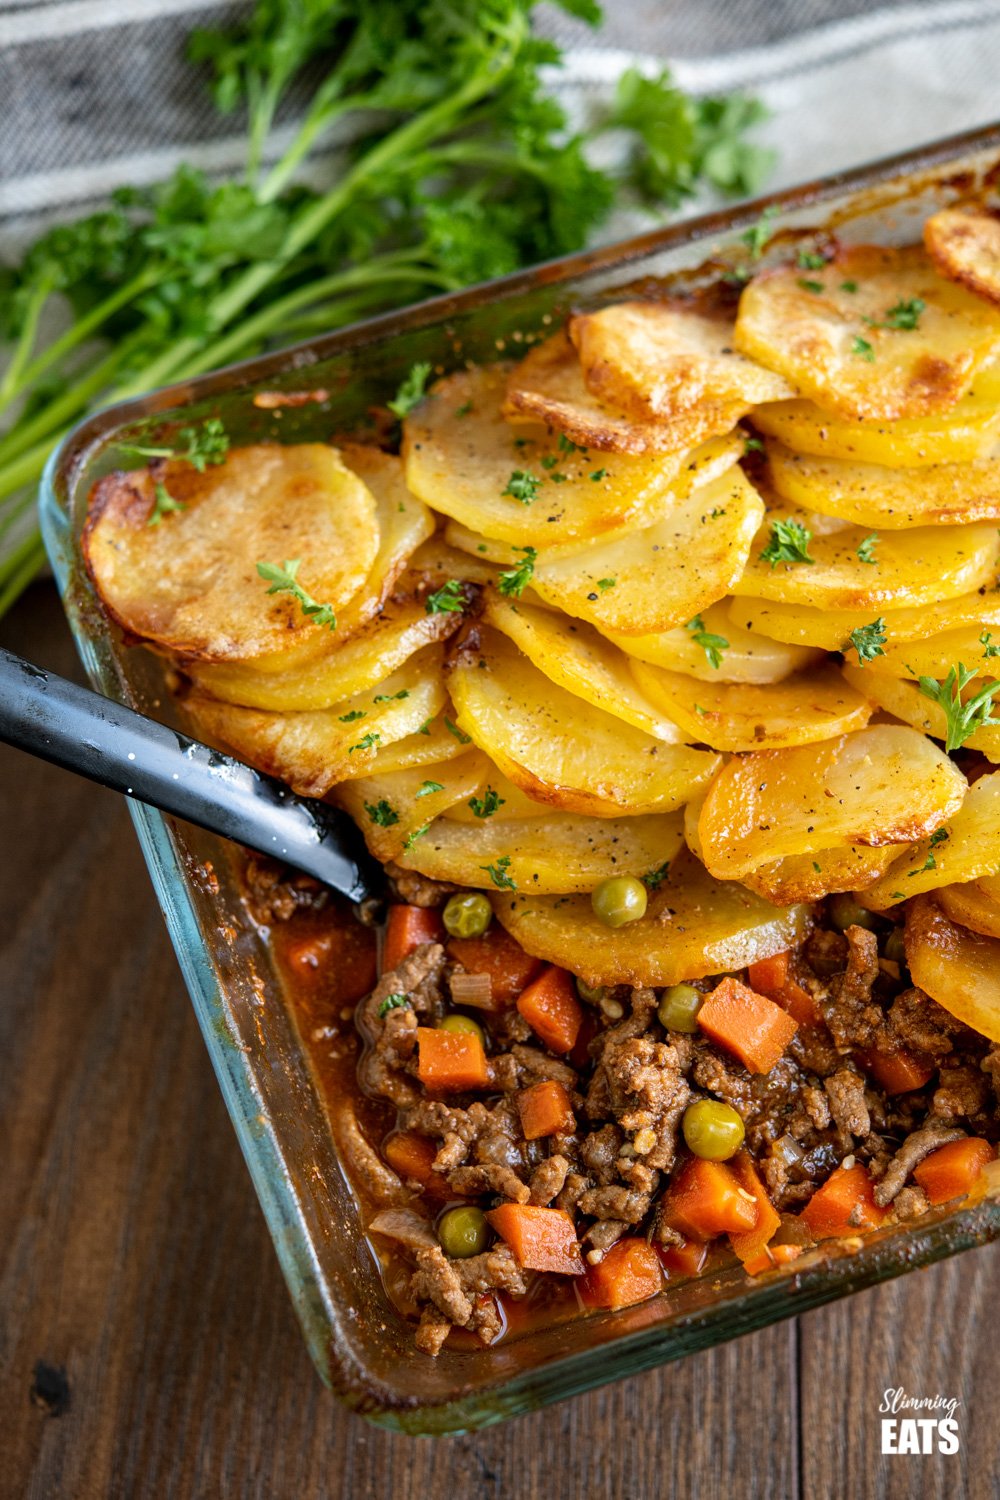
{"points": [[148, 1346]]}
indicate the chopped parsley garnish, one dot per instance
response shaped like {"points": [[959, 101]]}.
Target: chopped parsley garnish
{"points": [[862, 349], [866, 549], [753, 445], [712, 645], [849, 286], [412, 390], [808, 260], [486, 806], [498, 874], [427, 787], [463, 739], [930, 863], [757, 236], [425, 727], [522, 485], [789, 544], [449, 599], [464, 409], [962, 719], [655, 878], [284, 580], [549, 461], [352, 717], [392, 697], [811, 286], [566, 445], [382, 812], [367, 742], [208, 443], [516, 580], [606, 583], [417, 833], [392, 1002], [868, 640], [165, 503], [985, 640], [598, 475], [905, 315]]}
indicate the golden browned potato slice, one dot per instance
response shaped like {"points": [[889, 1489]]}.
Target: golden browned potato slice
{"points": [[654, 360], [756, 716], [967, 432], [394, 808], [661, 576], [883, 785], [436, 562], [518, 483], [902, 342], [561, 750], [905, 701], [710, 638], [403, 523], [965, 847], [693, 926], [830, 629], [957, 968], [363, 661], [437, 738], [810, 877], [965, 247], [878, 497], [189, 583], [971, 906], [921, 566], [557, 854], [314, 750], [548, 386], [933, 657], [512, 802], [574, 655]]}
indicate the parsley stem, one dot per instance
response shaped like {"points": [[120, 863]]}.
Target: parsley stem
{"points": [[19, 361]]}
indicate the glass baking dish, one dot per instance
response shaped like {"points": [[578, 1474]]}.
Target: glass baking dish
{"points": [[360, 1345]]}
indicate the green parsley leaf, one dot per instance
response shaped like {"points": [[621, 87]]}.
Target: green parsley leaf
{"points": [[598, 475], [753, 445], [498, 874], [392, 697], [906, 314], [808, 260], [655, 878], [848, 286], [464, 409], [284, 580], [516, 580], [566, 445], [868, 641], [606, 583], [382, 812], [411, 391], [425, 727], [816, 287], [549, 461], [962, 718], [866, 549], [486, 806], [460, 735], [352, 717], [757, 236], [164, 503], [427, 787], [789, 544], [522, 485], [862, 349], [392, 1002], [712, 645], [449, 599], [207, 443], [417, 833], [367, 742], [989, 650]]}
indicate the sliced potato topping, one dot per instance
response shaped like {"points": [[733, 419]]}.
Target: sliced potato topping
{"points": [[653, 579], [808, 877], [561, 750], [854, 571], [933, 657], [877, 335], [574, 655], [658, 359], [437, 738], [712, 648], [965, 847], [403, 523], [971, 906], [556, 854], [756, 716], [965, 247], [905, 701], [393, 808], [876, 496], [314, 750], [548, 386], [831, 629], [886, 784], [957, 968], [511, 802], [693, 926], [188, 582], [519, 483]]}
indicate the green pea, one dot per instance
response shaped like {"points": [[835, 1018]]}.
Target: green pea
{"points": [[619, 900], [463, 1232], [592, 993], [678, 1008], [467, 916], [463, 1026], [895, 948], [846, 912], [712, 1130]]}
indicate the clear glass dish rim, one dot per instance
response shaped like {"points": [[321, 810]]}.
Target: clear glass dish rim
{"points": [[737, 1310]]}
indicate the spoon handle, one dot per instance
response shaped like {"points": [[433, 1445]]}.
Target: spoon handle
{"points": [[113, 745]]}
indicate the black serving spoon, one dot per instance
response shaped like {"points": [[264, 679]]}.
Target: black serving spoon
{"points": [[119, 748]]}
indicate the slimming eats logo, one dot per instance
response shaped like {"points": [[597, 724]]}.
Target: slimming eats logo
{"points": [[937, 1433]]}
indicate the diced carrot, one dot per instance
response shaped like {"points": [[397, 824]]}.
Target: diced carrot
{"points": [[749, 1244], [497, 954], [770, 1257], [747, 1024], [898, 1071], [406, 928], [705, 1199], [783, 1255], [411, 1156], [770, 977], [450, 1060], [952, 1170], [542, 1239], [685, 1259], [844, 1204], [545, 1109], [551, 1009], [629, 1272], [344, 954], [589, 1027]]}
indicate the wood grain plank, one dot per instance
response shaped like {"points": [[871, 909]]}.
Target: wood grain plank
{"points": [[133, 1255]]}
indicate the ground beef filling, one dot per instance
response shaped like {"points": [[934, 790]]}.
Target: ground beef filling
{"points": [[817, 1108]]}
